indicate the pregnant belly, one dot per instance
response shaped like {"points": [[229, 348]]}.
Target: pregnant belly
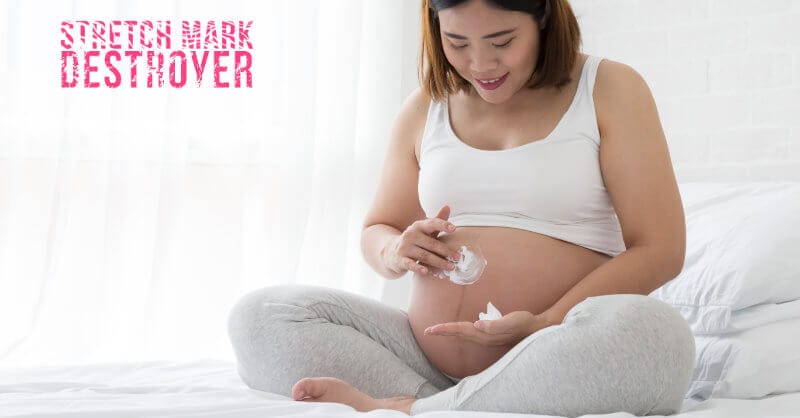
{"points": [[526, 271]]}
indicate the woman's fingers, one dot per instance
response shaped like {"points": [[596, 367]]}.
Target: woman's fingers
{"points": [[468, 331], [436, 253], [412, 265], [430, 252], [432, 227]]}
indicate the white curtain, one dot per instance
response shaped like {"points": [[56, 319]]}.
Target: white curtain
{"points": [[132, 219]]}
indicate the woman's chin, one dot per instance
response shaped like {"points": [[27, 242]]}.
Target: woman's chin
{"points": [[497, 96]]}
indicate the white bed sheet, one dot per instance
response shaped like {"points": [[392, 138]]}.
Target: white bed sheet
{"points": [[211, 388]]}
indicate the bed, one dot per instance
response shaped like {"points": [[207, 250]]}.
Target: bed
{"points": [[739, 291], [211, 388]]}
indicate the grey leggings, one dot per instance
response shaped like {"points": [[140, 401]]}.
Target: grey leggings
{"points": [[613, 353]]}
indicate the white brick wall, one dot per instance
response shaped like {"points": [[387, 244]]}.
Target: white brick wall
{"points": [[796, 77], [725, 75], [794, 145]]}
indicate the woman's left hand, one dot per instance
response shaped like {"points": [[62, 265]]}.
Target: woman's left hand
{"points": [[510, 329]]}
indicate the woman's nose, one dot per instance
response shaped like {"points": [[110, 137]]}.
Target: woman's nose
{"points": [[483, 62]]}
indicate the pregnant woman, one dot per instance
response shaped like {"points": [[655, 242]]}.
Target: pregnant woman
{"points": [[522, 173]]}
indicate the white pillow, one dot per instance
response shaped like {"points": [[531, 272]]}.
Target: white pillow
{"points": [[742, 250], [754, 316], [748, 364]]}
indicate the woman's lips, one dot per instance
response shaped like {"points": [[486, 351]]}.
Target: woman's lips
{"points": [[492, 85]]}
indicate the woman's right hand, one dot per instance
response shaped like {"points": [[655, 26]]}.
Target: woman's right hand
{"points": [[420, 242]]}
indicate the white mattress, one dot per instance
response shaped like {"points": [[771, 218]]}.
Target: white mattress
{"points": [[211, 388]]}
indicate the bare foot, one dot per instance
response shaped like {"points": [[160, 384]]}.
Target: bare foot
{"points": [[330, 389]]}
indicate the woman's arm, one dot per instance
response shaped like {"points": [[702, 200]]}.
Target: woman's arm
{"points": [[396, 203], [638, 174], [374, 240]]}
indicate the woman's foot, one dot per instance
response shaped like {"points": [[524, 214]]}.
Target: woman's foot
{"points": [[330, 389]]}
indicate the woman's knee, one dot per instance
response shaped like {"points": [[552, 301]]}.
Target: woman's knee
{"points": [[655, 333], [257, 324], [673, 343], [255, 312], [248, 307], [673, 333], [252, 306], [651, 323], [633, 312]]}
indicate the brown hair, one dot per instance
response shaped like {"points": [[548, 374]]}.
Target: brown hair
{"points": [[560, 38]]}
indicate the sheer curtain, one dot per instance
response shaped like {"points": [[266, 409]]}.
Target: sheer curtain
{"points": [[132, 219]]}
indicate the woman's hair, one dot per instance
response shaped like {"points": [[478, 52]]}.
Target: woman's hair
{"points": [[560, 43]]}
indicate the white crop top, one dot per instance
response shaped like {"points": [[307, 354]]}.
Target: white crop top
{"points": [[551, 186]]}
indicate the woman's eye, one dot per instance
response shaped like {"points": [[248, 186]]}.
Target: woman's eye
{"points": [[496, 46], [505, 44]]}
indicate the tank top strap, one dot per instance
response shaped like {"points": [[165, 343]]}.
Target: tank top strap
{"points": [[583, 121], [592, 63], [434, 134], [436, 109]]}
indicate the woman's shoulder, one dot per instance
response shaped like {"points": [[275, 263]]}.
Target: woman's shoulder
{"points": [[410, 121], [419, 99], [614, 78], [619, 90], [414, 109], [617, 83]]}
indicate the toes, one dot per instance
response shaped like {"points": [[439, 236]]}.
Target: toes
{"points": [[305, 388]]}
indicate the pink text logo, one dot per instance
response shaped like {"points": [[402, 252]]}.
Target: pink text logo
{"points": [[156, 53]]}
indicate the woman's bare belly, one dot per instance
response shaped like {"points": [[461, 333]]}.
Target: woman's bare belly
{"points": [[526, 271]]}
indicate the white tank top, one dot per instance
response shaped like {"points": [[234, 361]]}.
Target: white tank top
{"points": [[552, 186]]}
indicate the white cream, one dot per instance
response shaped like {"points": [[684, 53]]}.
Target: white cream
{"points": [[469, 267], [491, 313]]}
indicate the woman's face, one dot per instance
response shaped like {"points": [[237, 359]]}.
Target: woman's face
{"points": [[485, 43]]}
